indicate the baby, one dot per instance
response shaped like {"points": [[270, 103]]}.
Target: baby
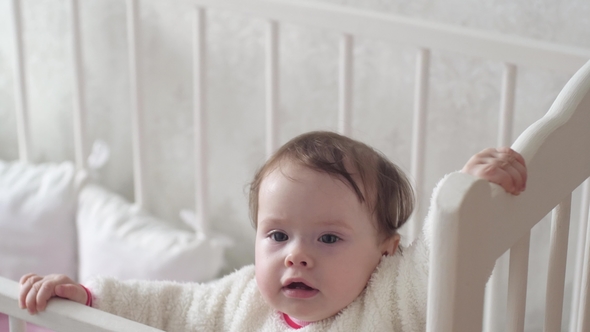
{"points": [[326, 210]]}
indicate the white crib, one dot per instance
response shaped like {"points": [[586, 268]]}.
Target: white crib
{"points": [[464, 251], [477, 223]]}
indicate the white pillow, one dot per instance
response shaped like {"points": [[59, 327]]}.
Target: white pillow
{"points": [[117, 239], [37, 219]]}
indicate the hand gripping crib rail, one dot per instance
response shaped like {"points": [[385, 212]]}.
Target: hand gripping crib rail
{"points": [[62, 315], [463, 250], [476, 223]]}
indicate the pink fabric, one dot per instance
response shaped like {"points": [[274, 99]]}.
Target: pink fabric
{"points": [[294, 322], [88, 296], [30, 327]]}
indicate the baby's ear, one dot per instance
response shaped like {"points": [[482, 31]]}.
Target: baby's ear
{"points": [[389, 245]]}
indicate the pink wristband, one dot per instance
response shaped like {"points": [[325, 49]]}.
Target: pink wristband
{"points": [[89, 296]]}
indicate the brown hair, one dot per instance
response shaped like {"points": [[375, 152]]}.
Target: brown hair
{"points": [[391, 198]]}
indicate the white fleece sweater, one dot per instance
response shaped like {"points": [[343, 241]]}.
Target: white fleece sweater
{"points": [[394, 300]]}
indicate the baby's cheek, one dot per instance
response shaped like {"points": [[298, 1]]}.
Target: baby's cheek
{"points": [[354, 277], [267, 286], [265, 282]]}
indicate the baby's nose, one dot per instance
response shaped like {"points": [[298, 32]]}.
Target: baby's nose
{"points": [[298, 258], [291, 262]]}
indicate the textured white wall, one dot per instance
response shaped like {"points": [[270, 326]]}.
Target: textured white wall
{"points": [[464, 95]]}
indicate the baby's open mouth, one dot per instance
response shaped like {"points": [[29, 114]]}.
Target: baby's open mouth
{"points": [[298, 285], [299, 290]]}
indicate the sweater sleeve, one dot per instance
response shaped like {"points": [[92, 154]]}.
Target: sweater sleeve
{"points": [[172, 306]]}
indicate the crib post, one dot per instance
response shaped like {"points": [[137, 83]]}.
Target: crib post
{"points": [[580, 256], [495, 295], [584, 302], [136, 102], [507, 105], [22, 107], [16, 325], [200, 116], [272, 87], [419, 135], [79, 113], [517, 282], [461, 257], [557, 263], [345, 85]]}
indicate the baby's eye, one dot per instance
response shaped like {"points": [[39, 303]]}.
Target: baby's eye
{"points": [[279, 236], [329, 238]]}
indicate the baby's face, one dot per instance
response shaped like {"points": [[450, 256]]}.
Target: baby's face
{"points": [[316, 245]]}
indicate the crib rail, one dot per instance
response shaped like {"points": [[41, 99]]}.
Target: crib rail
{"points": [[477, 224], [62, 315], [350, 23], [421, 33], [426, 36]]}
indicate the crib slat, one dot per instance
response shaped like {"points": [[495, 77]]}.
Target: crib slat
{"points": [[345, 85], [507, 105], [200, 116], [79, 113], [584, 306], [136, 104], [517, 282], [557, 258], [22, 107], [495, 305], [494, 291], [580, 258], [16, 325], [272, 87], [419, 133], [402, 29]]}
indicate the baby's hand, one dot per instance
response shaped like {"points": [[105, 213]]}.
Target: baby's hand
{"points": [[35, 291], [502, 166]]}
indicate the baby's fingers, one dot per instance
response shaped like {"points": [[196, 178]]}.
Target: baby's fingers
{"points": [[521, 174], [36, 291], [509, 179], [502, 166], [35, 298], [26, 284], [513, 164], [47, 290]]}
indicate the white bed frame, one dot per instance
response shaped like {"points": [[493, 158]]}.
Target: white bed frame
{"points": [[477, 222]]}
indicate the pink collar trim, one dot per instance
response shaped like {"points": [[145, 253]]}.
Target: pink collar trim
{"points": [[294, 322]]}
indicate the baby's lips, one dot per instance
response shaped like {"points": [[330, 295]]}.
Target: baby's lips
{"points": [[299, 285], [290, 281]]}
